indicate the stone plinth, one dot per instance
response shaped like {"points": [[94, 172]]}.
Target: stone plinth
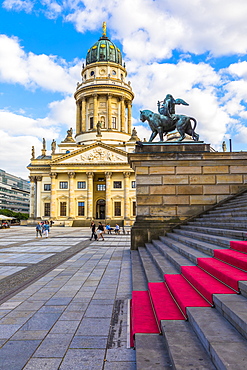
{"points": [[175, 181]]}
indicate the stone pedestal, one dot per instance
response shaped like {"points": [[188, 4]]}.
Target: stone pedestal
{"points": [[175, 181]]}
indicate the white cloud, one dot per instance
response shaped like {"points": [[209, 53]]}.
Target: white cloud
{"points": [[32, 71], [18, 5], [15, 161], [64, 111]]}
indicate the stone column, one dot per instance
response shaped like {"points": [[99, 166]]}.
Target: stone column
{"points": [[78, 117], [126, 195], [53, 213], [90, 195], [129, 116], [32, 197], [109, 111], [71, 212], [122, 114], [38, 196], [83, 115], [108, 211], [95, 110]]}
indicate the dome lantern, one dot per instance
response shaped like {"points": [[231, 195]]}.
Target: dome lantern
{"points": [[104, 50]]}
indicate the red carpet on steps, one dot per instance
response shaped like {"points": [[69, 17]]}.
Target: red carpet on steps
{"points": [[222, 271], [204, 283], [143, 318], [234, 258], [184, 293], [239, 245], [164, 304]]}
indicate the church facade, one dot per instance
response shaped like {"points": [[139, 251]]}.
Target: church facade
{"points": [[87, 176]]}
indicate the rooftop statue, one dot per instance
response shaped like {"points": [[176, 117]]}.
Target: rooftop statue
{"points": [[167, 120]]}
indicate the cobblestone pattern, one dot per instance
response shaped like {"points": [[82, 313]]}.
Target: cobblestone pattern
{"points": [[74, 317]]}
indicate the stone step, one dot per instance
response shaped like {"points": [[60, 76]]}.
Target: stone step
{"points": [[216, 240], [151, 353], [152, 273], [234, 309], [190, 242], [230, 213], [139, 280], [186, 352], [226, 347], [236, 315], [229, 207], [185, 249], [223, 216], [164, 266], [236, 234], [174, 257], [219, 224]]}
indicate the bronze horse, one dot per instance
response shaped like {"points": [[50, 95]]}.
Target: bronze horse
{"points": [[161, 125]]}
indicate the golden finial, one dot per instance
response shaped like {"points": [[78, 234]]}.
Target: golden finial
{"points": [[104, 29]]}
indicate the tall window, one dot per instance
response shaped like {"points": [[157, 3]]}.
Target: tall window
{"points": [[134, 208], [63, 208], [117, 184], [47, 209], [81, 208], [47, 187], [114, 122], [63, 185], [91, 122], [117, 208], [133, 184], [81, 184]]}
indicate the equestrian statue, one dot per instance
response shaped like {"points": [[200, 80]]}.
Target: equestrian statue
{"points": [[167, 120]]}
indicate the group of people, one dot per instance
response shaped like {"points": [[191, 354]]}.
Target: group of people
{"points": [[42, 229], [97, 232]]}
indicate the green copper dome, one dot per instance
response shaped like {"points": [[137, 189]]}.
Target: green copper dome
{"points": [[104, 51]]}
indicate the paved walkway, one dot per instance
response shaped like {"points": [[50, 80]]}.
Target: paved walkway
{"points": [[75, 316]]}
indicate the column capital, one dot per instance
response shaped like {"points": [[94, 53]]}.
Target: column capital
{"points": [[71, 175], [39, 178], [109, 96], [108, 175], [95, 96], [53, 175], [32, 178], [126, 174], [90, 174]]}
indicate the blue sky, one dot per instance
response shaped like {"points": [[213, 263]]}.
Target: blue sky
{"points": [[193, 49]]}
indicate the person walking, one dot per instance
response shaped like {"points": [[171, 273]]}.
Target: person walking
{"points": [[46, 229], [93, 228], [38, 230], [100, 231]]}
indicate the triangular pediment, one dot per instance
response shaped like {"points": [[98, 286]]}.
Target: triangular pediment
{"points": [[94, 153]]}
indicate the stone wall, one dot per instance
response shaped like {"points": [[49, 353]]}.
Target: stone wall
{"points": [[176, 181]]}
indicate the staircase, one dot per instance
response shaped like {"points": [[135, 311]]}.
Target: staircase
{"points": [[189, 300]]}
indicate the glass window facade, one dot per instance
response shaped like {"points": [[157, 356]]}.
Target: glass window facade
{"points": [[81, 184], [63, 209], [117, 184], [81, 208], [63, 185], [47, 209], [47, 187], [117, 209]]}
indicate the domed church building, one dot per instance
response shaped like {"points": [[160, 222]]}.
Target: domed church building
{"points": [[87, 176]]}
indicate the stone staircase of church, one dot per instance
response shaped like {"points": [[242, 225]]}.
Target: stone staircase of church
{"points": [[189, 301]]}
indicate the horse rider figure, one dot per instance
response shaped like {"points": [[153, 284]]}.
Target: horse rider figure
{"points": [[168, 106]]}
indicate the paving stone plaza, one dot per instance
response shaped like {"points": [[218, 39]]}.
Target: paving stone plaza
{"points": [[64, 300]]}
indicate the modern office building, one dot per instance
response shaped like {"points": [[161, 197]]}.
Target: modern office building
{"points": [[14, 193], [87, 176]]}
